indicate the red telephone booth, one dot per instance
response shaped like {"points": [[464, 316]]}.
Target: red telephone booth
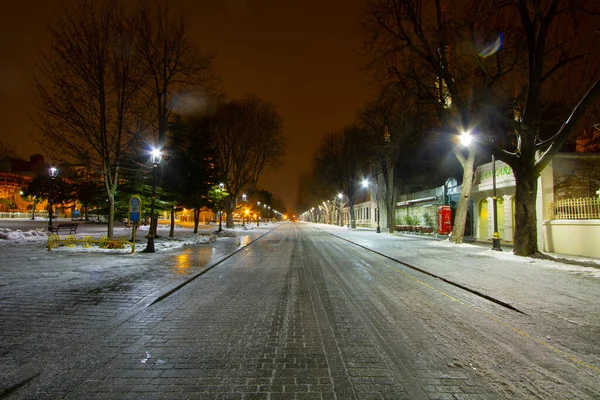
{"points": [[444, 220]]}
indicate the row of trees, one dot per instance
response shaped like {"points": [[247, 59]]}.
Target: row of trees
{"points": [[118, 81], [487, 67]]}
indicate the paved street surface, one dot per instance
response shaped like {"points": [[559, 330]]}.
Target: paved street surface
{"points": [[297, 311]]}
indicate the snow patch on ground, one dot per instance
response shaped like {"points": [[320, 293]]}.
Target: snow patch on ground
{"points": [[31, 235], [184, 237], [559, 262]]}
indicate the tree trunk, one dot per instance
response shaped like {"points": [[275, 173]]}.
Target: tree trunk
{"points": [[525, 239], [460, 218], [111, 215], [172, 229], [196, 218], [352, 217], [154, 222], [390, 217], [388, 198], [229, 208]]}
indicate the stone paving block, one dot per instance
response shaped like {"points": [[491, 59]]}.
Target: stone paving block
{"points": [[296, 388], [369, 372], [137, 373], [256, 396], [271, 388], [449, 389]]}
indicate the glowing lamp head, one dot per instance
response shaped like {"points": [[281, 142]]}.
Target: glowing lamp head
{"points": [[156, 156], [466, 138]]}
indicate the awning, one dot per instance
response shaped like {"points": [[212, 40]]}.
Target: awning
{"points": [[415, 201]]}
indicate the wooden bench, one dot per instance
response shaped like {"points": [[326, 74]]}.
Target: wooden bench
{"points": [[72, 227]]}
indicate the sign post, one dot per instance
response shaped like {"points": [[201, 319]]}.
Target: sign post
{"points": [[135, 211]]}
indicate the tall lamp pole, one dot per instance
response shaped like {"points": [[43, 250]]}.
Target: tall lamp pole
{"points": [[53, 174], [496, 237], [156, 156], [340, 214], [245, 211], [365, 183], [33, 208], [466, 139], [258, 213], [221, 188]]}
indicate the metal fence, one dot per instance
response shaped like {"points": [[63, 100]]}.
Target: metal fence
{"points": [[10, 214], [582, 208]]}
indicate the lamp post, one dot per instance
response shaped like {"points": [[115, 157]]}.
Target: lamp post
{"points": [[365, 184], [496, 237], [340, 212], [33, 208], [466, 139], [258, 213], [155, 157], [246, 211], [53, 174], [221, 187]]}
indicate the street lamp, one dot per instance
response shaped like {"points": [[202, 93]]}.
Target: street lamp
{"points": [[365, 184], [466, 139], [221, 187], [33, 208], [53, 174], [246, 212], [155, 157], [258, 213], [340, 213]]}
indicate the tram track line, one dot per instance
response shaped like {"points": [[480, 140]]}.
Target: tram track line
{"points": [[205, 270], [431, 274], [556, 350]]}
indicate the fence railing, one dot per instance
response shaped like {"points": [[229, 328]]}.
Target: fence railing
{"points": [[582, 208]]}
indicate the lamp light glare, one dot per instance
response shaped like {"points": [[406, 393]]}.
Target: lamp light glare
{"points": [[466, 138]]}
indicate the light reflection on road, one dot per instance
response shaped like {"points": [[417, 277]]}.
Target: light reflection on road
{"points": [[195, 258], [183, 263], [245, 240]]}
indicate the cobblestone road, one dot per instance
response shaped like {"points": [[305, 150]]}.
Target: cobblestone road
{"points": [[298, 314]]}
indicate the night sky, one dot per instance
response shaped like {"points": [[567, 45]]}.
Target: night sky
{"points": [[303, 56]]}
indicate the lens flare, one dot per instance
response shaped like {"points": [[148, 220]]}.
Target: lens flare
{"points": [[488, 48]]}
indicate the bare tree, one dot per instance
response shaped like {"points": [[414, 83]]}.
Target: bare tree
{"points": [[557, 41], [341, 159], [395, 125], [418, 45], [455, 58], [86, 95], [312, 190], [178, 76], [6, 150], [248, 139]]}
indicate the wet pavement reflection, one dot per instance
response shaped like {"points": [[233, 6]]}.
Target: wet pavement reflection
{"points": [[196, 258]]}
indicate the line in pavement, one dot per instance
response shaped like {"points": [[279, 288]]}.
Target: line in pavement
{"points": [[205, 270], [563, 353], [448, 281]]}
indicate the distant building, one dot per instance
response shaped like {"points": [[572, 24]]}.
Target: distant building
{"points": [[15, 174]]}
